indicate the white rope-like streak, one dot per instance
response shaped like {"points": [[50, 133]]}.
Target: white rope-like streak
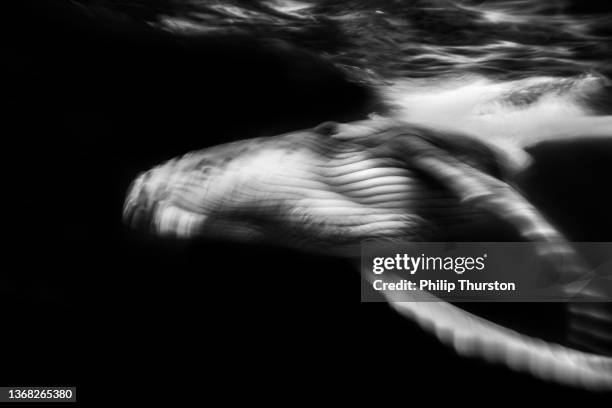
{"points": [[471, 335]]}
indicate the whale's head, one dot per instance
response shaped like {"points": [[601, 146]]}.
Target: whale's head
{"points": [[221, 191], [334, 185]]}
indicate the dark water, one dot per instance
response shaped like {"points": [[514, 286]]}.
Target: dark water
{"points": [[100, 90]]}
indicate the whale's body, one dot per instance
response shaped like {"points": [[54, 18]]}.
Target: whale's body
{"points": [[329, 188]]}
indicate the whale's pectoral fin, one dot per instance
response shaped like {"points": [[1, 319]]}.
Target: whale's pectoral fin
{"points": [[475, 187], [509, 157], [473, 336]]}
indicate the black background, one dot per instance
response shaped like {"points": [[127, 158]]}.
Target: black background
{"points": [[93, 100]]}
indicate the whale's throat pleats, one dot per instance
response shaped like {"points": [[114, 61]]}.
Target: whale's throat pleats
{"points": [[329, 192]]}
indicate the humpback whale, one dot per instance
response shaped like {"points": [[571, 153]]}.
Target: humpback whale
{"points": [[329, 188]]}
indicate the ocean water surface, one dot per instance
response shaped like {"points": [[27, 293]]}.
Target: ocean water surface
{"points": [[516, 70]]}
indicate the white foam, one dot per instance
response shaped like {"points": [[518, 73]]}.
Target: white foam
{"points": [[519, 112]]}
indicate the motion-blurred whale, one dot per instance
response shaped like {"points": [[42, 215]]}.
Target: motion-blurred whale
{"points": [[327, 189]]}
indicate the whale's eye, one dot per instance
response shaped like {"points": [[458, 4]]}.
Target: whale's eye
{"points": [[326, 128], [203, 166]]}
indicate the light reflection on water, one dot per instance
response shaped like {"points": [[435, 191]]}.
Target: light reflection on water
{"points": [[517, 71], [416, 38]]}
